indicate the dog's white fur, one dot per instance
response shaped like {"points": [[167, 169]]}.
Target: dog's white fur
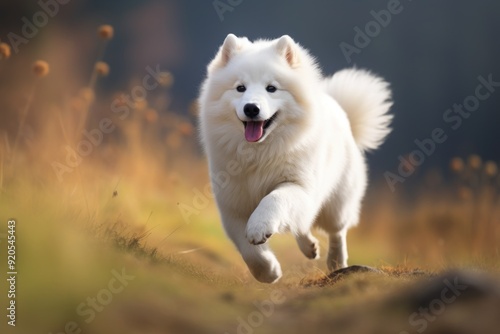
{"points": [[308, 169]]}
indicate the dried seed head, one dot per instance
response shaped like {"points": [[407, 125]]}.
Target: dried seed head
{"points": [[186, 129], [491, 168], [140, 105], [4, 51], [77, 104], [106, 32], [120, 100], [457, 165], [475, 161], [151, 115], [87, 95], [40, 68], [165, 79], [102, 68]]}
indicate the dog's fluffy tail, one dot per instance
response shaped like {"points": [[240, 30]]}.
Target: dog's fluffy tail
{"points": [[366, 99]]}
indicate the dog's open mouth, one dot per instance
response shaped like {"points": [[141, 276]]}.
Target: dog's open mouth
{"points": [[254, 130]]}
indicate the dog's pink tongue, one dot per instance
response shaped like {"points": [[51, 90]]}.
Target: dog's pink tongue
{"points": [[254, 130]]}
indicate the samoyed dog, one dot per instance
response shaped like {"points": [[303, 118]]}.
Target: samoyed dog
{"points": [[286, 147]]}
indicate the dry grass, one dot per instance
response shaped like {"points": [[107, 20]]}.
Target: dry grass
{"points": [[118, 207]]}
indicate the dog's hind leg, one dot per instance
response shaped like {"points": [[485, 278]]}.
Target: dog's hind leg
{"points": [[335, 219], [337, 250], [309, 245]]}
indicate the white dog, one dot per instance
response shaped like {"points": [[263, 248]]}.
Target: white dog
{"points": [[286, 147]]}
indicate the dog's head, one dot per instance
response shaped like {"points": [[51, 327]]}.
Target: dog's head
{"points": [[260, 87]]}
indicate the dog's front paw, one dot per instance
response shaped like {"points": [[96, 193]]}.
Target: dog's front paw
{"points": [[263, 223], [258, 234], [259, 231]]}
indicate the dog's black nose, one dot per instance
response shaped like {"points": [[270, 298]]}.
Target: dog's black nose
{"points": [[251, 110]]}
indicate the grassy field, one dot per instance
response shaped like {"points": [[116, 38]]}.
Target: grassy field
{"points": [[98, 185]]}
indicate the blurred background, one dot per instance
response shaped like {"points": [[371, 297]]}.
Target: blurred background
{"points": [[431, 53], [136, 195]]}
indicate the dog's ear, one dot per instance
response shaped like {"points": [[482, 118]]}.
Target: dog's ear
{"points": [[288, 49], [230, 46]]}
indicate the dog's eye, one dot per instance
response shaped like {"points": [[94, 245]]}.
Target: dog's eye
{"points": [[271, 89], [241, 88]]}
